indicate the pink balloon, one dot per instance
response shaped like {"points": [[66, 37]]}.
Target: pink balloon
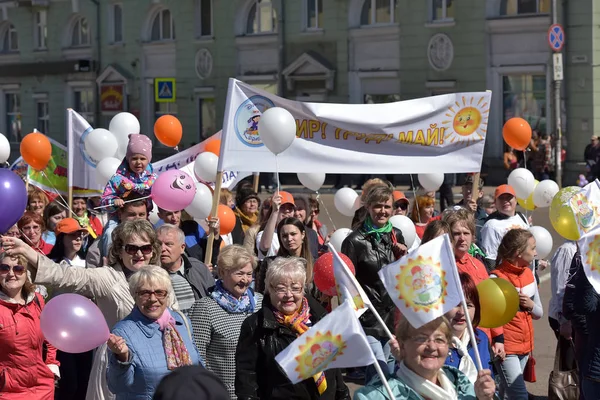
{"points": [[174, 190], [73, 324]]}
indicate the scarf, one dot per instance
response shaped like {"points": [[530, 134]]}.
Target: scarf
{"points": [[425, 388], [247, 221], [175, 350], [244, 304], [466, 365], [298, 323], [475, 251], [370, 229], [85, 222]]}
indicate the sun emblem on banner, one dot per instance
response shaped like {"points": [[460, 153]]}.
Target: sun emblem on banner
{"points": [[422, 284], [586, 212], [319, 351], [592, 254], [468, 123]]}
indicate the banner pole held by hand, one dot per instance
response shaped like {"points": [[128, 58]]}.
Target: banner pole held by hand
{"points": [[213, 214]]}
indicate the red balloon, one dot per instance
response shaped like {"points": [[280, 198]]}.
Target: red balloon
{"points": [[323, 273]]}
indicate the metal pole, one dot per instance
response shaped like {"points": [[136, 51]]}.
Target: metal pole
{"points": [[557, 112]]}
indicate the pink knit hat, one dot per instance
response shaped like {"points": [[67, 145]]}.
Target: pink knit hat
{"points": [[139, 144]]}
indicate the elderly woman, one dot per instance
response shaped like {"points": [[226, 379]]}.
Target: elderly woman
{"points": [[217, 319], [25, 372], [135, 244], [151, 341], [421, 372], [246, 206], [285, 314], [32, 225]]}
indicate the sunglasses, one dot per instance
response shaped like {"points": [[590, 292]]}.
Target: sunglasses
{"points": [[17, 269], [146, 294], [132, 249], [401, 205]]}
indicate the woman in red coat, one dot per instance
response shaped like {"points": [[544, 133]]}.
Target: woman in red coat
{"points": [[24, 375]]}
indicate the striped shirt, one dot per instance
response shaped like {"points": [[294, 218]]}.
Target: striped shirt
{"points": [[183, 290]]}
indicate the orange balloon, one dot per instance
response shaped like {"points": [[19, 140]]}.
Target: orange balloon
{"points": [[517, 133], [226, 219], [168, 130], [36, 150], [214, 146]]}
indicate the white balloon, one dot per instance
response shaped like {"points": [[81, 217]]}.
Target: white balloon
{"points": [[202, 204], [312, 181], [100, 144], [153, 215], [357, 204], [544, 192], [4, 149], [407, 227], [122, 125], [105, 169], [543, 241], [338, 237], [523, 181], [277, 129], [205, 166], [431, 182], [344, 201]]}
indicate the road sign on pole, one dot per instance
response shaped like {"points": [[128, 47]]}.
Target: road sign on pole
{"points": [[164, 90], [558, 66], [556, 37]]}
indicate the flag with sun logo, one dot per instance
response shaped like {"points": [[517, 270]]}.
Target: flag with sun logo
{"points": [[585, 204], [336, 341], [347, 286], [424, 283], [589, 247]]}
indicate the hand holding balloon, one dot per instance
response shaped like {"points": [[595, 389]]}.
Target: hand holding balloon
{"points": [[276, 202], [117, 345], [399, 250]]}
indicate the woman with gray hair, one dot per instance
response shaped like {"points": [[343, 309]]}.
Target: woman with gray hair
{"points": [[217, 319], [285, 314], [151, 341]]}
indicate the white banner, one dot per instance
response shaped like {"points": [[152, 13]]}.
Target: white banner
{"points": [[81, 167], [440, 133]]}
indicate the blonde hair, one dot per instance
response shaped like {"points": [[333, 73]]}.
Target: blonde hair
{"points": [[234, 257], [28, 287], [154, 276], [405, 331], [225, 195], [281, 268], [126, 230]]}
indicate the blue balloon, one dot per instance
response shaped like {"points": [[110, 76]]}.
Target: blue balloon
{"points": [[13, 198]]}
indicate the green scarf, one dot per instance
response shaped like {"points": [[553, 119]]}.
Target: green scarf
{"points": [[475, 251], [83, 221], [371, 229]]}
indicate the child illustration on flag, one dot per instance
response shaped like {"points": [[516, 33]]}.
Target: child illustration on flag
{"points": [[347, 286]]}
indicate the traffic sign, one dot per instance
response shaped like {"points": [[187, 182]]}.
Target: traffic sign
{"points": [[558, 66], [164, 90], [556, 37]]}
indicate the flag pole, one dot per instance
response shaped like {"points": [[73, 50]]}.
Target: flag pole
{"points": [[255, 181], [384, 380], [213, 214], [385, 328]]}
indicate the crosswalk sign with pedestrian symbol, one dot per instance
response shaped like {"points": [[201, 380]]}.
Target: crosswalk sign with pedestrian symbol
{"points": [[164, 90]]}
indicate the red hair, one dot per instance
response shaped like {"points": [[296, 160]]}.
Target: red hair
{"points": [[471, 294], [420, 203], [29, 217]]}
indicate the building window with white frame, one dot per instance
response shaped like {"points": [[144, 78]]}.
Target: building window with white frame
{"points": [[41, 29], [116, 21], [10, 39], [163, 27], [207, 117], [524, 7], [262, 18], [42, 113], [83, 102], [12, 102], [204, 18], [525, 96], [378, 12], [80, 33], [442, 10], [314, 14]]}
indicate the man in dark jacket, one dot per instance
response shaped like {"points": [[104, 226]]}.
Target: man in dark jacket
{"points": [[191, 279]]}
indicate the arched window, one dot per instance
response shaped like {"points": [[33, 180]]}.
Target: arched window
{"points": [[262, 17], [163, 27], [378, 12], [80, 35], [10, 39]]}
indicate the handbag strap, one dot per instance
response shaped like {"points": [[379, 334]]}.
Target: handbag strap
{"points": [[557, 356]]}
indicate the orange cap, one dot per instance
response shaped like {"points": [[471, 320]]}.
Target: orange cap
{"points": [[398, 195], [286, 198], [68, 226], [504, 189]]}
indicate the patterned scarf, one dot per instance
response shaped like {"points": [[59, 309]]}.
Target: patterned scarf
{"points": [[298, 323], [175, 350], [247, 221], [244, 304], [370, 229]]}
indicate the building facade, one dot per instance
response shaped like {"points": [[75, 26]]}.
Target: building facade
{"points": [[101, 57]]}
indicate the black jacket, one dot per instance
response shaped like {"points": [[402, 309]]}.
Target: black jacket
{"points": [[237, 234], [368, 257], [258, 376], [198, 276], [197, 251]]}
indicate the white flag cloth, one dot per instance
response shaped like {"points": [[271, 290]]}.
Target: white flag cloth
{"points": [[423, 284], [82, 168], [337, 341], [586, 207], [589, 247], [347, 286]]}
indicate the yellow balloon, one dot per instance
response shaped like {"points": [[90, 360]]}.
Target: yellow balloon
{"points": [[561, 214], [498, 302], [528, 202]]}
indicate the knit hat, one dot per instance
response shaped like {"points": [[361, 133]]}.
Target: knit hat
{"points": [[192, 382], [139, 144], [245, 193]]}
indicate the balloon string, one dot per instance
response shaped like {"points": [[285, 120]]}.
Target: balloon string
{"points": [[326, 210], [66, 203], [414, 190], [277, 174]]}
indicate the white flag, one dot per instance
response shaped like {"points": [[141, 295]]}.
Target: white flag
{"points": [[82, 168], [589, 247], [585, 204], [337, 341], [347, 286], [424, 283]]}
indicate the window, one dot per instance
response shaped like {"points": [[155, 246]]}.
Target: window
{"points": [[42, 114], [116, 17], [80, 35], [380, 98], [41, 29], [10, 40], [163, 27], [262, 17], [442, 10], [207, 117], [378, 12], [83, 103], [314, 14], [12, 102], [525, 96], [203, 18], [519, 7]]}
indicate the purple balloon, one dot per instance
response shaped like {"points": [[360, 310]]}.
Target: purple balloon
{"points": [[13, 197], [174, 190], [73, 324]]}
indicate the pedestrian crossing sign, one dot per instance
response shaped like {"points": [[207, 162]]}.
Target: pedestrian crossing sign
{"points": [[164, 90]]}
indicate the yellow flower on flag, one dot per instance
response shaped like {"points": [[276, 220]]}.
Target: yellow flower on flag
{"points": [[422, 284], [593, 254], [319, 351]]}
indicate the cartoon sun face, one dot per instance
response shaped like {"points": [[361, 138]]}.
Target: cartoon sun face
{"points": [[319, 351], [421, 284], [592, 255], [468, 121]]}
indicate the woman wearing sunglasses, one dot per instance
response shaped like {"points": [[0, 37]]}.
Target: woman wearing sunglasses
{"points": [[25, 371], [134, 245]]}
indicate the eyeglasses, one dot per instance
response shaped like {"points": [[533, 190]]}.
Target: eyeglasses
{"points": [[146, 294], [281, 290], [132, 249], [17, 269], [421, 340], [401, 205]]}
